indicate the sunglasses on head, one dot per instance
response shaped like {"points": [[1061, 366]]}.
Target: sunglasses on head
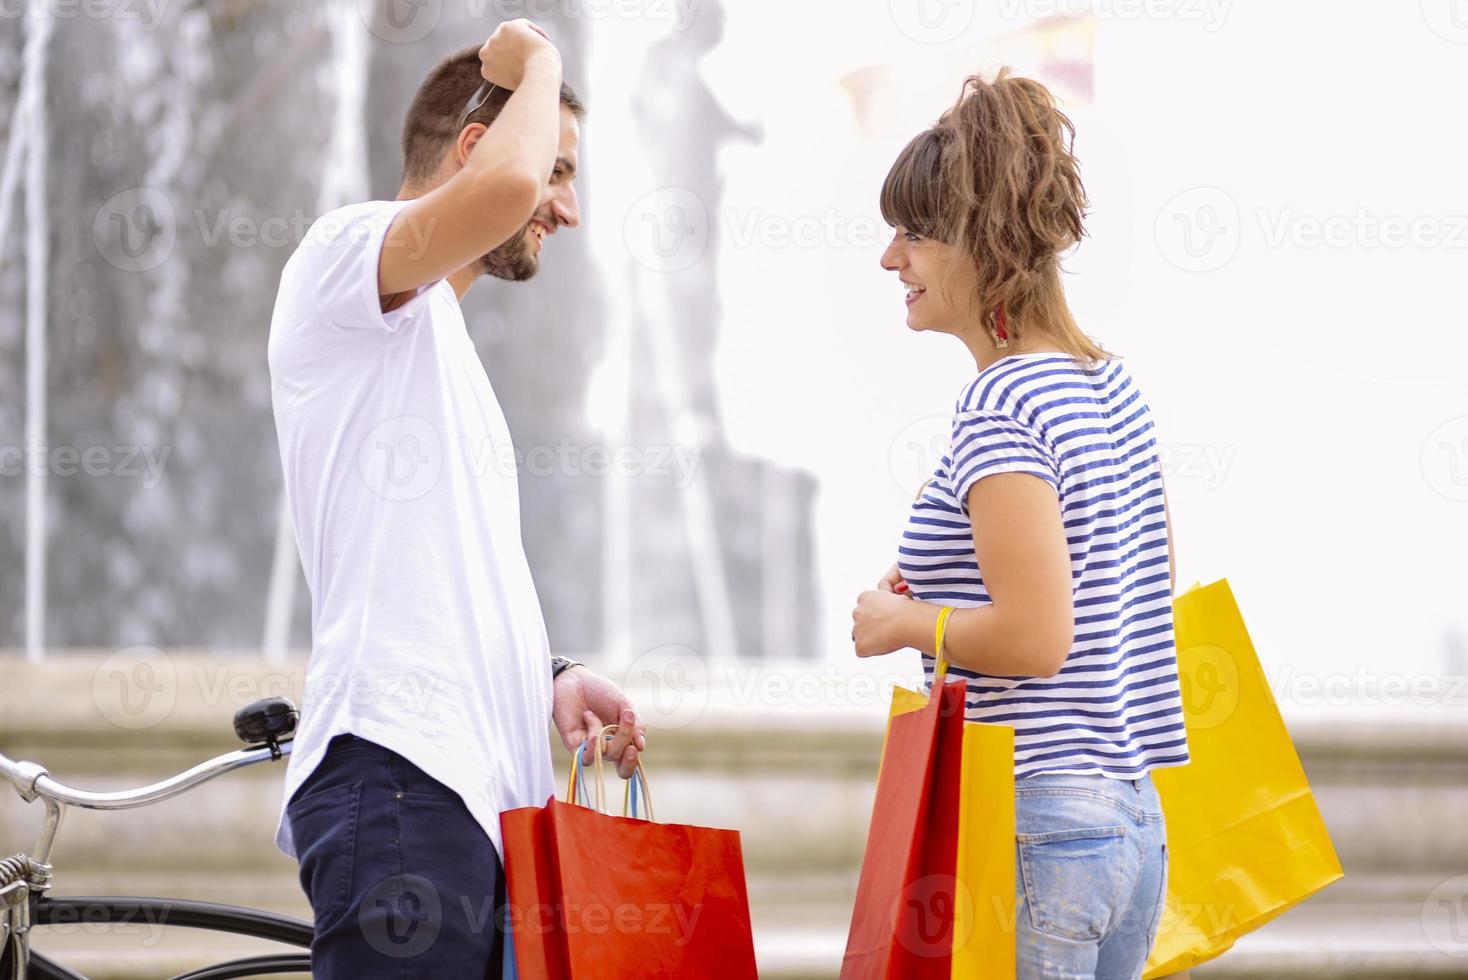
{"points": [[476, 101]]}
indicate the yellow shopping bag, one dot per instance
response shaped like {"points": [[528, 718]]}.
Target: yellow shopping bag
{"points": [[1245, 840], [984, 899]]}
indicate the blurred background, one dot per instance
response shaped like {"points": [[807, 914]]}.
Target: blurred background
{"points": [[719, 414]]}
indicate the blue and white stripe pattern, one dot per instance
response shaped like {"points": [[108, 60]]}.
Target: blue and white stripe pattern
{"points": [[1115, 707]]}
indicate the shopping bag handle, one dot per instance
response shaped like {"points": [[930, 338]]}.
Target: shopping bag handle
{"points": [[633, 795], [941, 669], [636, 788]]}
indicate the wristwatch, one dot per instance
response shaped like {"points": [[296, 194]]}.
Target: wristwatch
{"points": [[561, 664]]}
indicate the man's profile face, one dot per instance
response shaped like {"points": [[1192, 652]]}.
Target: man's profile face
{"points": [[519, 258]]}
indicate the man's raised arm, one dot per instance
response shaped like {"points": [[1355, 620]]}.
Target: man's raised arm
{"points": [[504, 169]]}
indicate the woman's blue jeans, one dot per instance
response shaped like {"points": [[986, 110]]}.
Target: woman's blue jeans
{"points": [[1092, 875]]}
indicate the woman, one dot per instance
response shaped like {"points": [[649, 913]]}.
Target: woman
{"points": [[1045, 526]]}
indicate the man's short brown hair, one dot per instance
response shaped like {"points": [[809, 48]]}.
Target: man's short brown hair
{"points": [[432, 123]]}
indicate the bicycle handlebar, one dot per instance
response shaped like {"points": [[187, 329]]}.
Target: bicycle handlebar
{"points": [[32, 780]]}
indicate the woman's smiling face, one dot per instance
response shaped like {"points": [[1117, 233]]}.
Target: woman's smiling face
{"points": [[939, 280]]}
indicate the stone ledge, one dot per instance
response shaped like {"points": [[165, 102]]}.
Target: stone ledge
{"points": [[62, 703], [733, 764]]}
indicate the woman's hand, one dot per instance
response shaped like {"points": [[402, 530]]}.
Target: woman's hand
{"points": [[879, 623], [894, 582]]}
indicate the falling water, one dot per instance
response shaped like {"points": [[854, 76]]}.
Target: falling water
{"points": [[15, 157], [173, 109], [37, 231], [344, 179], [224, 115], [10, 170]]}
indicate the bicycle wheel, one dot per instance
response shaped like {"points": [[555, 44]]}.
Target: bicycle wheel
{"points": [[41, 968], [254, 966], [184, 913]]}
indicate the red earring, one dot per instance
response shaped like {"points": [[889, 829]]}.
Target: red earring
{"points": [[1001, 335]]}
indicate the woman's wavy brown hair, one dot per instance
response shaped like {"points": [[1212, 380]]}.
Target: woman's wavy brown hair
{"points": [[997, 177]]}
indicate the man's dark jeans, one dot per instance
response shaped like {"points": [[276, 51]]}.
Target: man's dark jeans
{"points": [[402, 879]]}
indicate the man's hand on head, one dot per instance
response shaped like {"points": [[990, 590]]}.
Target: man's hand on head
{"points": [[585, 702], [512, 46]]}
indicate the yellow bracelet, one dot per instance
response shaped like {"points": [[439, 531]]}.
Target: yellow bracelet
{"points": [[941, 668]]}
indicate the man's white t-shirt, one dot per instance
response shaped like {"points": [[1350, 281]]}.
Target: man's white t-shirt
{"points": [[427, 635]]}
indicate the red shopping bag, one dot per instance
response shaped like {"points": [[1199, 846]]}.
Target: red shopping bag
{"points": [[598, 897], [902, 925]]}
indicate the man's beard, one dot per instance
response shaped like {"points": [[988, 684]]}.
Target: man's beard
{"points": [[511, 260]]}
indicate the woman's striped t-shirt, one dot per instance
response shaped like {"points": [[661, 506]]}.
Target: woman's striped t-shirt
{"points": [[1115, 707]]}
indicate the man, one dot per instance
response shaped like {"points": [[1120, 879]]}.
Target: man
{"points": [[430, 678]]}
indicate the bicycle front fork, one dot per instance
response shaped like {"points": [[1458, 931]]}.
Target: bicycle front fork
{"points": [[22, 880]]}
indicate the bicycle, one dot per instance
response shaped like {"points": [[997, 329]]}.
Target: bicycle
{"points": [[266, 726]]}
